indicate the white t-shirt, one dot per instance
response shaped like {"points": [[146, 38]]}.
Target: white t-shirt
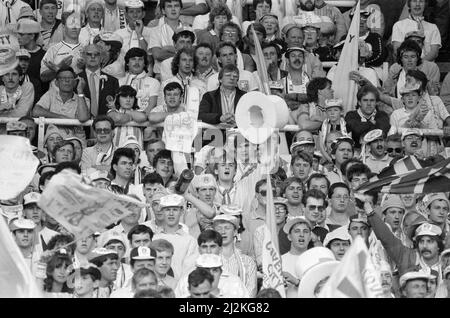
{"points": [[432, 35], [166, 69], [87, 35], [57, 52], [144, 85]]}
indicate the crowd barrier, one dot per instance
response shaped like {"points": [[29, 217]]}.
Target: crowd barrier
{"points": [[42, 121]]}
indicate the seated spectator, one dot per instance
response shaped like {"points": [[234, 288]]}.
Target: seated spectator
{"points": [[16, 100], [62, 102], [416, 21], [126, 110], [24, 63], [173, 97], [137, 76], [63, 152], [219, 105]]}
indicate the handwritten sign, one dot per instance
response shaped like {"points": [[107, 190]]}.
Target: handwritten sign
{"points": [[179, 132], [18, 165], [271, 262], [81, 208]]}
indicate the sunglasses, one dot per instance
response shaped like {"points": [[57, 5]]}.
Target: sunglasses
{"points": [[319, 208], [264, 193], [103, 130], [397, 150]]}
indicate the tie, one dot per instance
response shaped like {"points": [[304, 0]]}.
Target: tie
{"points": [[94, 99]]}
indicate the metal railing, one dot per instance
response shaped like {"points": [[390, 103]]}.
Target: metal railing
{"points": [[42, 121]]}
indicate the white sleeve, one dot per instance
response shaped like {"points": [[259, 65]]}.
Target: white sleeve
{"points": [[435, 36], [197, 2], [154, 88], [155, 38], [48, 56], [397, 33]]}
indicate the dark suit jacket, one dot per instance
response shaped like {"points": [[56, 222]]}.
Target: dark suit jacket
{"points": [[210, 108], [107, 87]]}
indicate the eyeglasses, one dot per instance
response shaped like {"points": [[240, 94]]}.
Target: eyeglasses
{"points": [[230, 33], [397, 150], [340, 197], [103, 130], [264, 193], [319, 208], [413, 138]]}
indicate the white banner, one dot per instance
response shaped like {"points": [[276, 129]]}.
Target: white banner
{"points": [[17, 165], [355, 277], [81, 208]]}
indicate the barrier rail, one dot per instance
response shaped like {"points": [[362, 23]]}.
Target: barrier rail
{"points": [[42, 121]]}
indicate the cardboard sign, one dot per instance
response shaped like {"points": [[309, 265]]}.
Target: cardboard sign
{"points": [[179, 132], [18, 165], [81, 208]]}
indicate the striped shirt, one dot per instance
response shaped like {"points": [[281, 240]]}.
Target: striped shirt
{"points": [[244, 267]]}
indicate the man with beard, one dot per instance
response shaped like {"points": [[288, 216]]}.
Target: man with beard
{"points": [[377, 159], [107, 262], [295, 82], [203, 61], [424, 256], [299, 231]]}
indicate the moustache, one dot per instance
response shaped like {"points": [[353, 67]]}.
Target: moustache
{"points": [[425, 250]]}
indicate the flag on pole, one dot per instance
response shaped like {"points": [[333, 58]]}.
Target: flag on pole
{"points": [[355, 277], [261, 64], [16, 279], [435, 178], [271, 259], [343, 87]]}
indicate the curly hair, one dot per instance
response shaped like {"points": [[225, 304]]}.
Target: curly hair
{"points": [[313, 87], [136, 52], [218, 9], [176, 59]]}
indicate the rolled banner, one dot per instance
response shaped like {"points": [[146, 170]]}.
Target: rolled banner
{"points": [[258, 116], [424, 131]]}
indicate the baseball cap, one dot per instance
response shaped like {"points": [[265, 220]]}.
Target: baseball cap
{"points": [[359, 218], [112, 235], [293, 221], [373, 135], [21, 224], [227, 218], [99, 253], [142, 253], [412, 276], [429, 198], [131, 140], [292, 49], [411, 131], [301, 143], [392, 201], [415, 33], [23, 53], [171, 200], [427, 229], [16, 126], [204, 180], [134, 4], [209, 261], [341, 233], [230, 209], [32, 197], [335, 102]]}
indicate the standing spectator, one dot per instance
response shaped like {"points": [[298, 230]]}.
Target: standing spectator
{"points": [[99, 84], [185, 251], [24, 62], [66, 52]]}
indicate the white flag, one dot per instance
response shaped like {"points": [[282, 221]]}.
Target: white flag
{"points": [[343, 87], [355, 277]]}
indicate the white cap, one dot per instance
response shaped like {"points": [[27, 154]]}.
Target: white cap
{"points": [[337, 102], [373, 135], [429, 198], [110, 235], [411, 131], [227, 218], [171, 200], [32, 197], [142, 253], [293, 221], [110, 36], [428, 229], [209, 261], [131, 140], [230, 209], [99, 174], [134, 4], [341, 233], [412, 276], [204, 180], [21, 224], [100, 252]]}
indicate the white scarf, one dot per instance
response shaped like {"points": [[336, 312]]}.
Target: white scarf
{"points": [[427, 269], [364, 118], [326, 128], [9, 101], [401, 81]]}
